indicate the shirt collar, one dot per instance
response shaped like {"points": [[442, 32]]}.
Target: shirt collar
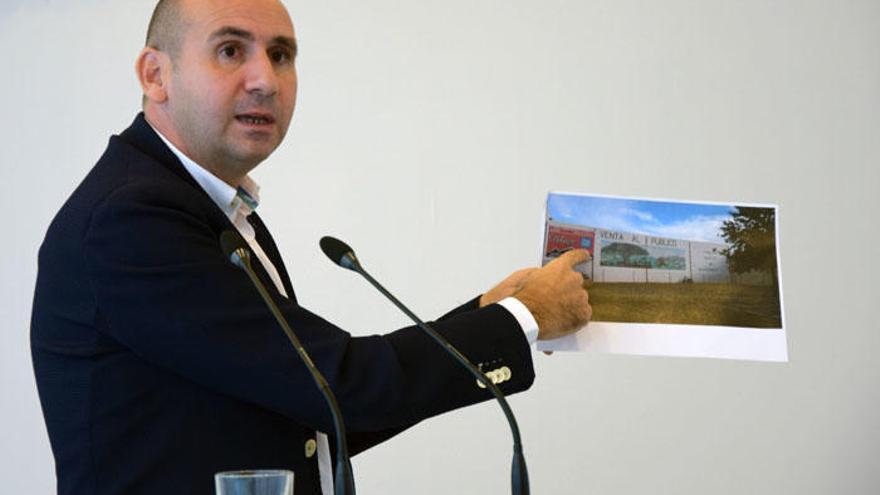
{"points": [[232, 201]]}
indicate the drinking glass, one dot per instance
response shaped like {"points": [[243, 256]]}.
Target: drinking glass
{"points": [[254, 482]]}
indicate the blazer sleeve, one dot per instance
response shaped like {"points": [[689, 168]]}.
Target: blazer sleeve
{"points": [[361, 441], [464, 308], [164, 290]]}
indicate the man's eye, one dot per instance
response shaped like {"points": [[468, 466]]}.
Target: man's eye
{"points": [[229, 51], [280, 56]]}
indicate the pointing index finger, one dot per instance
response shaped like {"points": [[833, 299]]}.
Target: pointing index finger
{"points": [[575, 256]]}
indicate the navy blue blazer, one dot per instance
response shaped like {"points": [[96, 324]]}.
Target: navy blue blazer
{"points": [[158, 364]]}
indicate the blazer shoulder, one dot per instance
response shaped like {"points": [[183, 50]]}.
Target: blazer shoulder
{"points": [[122, 178], [125, 172]]}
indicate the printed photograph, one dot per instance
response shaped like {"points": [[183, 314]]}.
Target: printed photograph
{"points": [[671, 262]]}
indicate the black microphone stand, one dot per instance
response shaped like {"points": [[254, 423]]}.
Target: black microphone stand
{"points": [[235, 249], [341, 254]]}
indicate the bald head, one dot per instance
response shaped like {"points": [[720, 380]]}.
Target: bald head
{"points": [[167, 27], [219, 80]]}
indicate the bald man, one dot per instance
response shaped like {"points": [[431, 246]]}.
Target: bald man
{"points": [[157, 362]]}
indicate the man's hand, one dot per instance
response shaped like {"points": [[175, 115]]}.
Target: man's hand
{"points": [[508, 287], [556, 297]]}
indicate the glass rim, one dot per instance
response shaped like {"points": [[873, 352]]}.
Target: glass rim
{"points": [[254, 473]]}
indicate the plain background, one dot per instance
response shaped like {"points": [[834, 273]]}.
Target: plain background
{"points": [[427, 135]]}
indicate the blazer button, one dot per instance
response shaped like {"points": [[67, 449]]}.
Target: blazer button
{"points": [[311, 447], [505, 373], [495, 376]]}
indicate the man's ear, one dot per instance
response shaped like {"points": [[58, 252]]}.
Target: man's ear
{"points": [[153, 71]]}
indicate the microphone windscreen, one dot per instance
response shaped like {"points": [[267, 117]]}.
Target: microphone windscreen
{"points": [[335, 249], [230, 241]]}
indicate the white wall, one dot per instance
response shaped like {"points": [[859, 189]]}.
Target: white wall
{"points": [[428, 134]]}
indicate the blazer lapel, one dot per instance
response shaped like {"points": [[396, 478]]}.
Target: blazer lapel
{"points": [[142, 136]]}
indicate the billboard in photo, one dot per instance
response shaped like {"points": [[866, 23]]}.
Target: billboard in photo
{"points": [[703, 273]]}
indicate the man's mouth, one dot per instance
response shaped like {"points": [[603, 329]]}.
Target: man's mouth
{"points": [[255, 119]]}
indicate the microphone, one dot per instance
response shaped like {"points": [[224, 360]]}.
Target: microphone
{"points": [[236, 251], [343, 255], [340, 253]]}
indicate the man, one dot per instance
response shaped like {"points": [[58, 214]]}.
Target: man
{"points": [[156, 361]]}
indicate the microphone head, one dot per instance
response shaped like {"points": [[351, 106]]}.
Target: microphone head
{"points": [[339, 252], [234, 247]]}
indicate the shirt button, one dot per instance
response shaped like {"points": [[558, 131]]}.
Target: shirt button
{"points": [[311, 447]]}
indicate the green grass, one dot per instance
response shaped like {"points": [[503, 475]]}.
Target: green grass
{"points": [[692, 304]]}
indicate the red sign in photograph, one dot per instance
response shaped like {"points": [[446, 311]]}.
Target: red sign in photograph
{"points": [[562, 239]]}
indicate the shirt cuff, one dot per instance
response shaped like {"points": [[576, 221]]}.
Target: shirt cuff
{"points": [[523, 317]]}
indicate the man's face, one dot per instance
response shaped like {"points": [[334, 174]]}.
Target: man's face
{"points": [[233, 86]]}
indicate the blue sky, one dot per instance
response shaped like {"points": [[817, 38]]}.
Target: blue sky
{"points": [[689, 221]]}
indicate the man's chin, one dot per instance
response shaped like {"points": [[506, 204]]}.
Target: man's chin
{"points": [[255, 152]]}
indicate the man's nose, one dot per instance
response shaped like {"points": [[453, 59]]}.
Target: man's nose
{"points": [[261, 77]]}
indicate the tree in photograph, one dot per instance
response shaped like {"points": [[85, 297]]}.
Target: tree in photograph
{"points": [[625, 251], [751, 236]]}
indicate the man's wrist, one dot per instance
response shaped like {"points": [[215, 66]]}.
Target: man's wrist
{"points": [[523, 316]]}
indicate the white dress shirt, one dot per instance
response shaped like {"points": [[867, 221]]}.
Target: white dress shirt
{"points": [[237, 204]]}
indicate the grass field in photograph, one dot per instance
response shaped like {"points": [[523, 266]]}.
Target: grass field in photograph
{"points": [[690, 304]]}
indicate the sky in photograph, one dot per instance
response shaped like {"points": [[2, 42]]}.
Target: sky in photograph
{"points": [[687, 221]]}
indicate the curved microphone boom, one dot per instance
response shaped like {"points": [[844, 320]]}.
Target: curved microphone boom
{"points": [[236, 251], [343, 255]]}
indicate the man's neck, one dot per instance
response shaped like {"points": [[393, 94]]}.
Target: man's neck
{"points": [[161, 123]]}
